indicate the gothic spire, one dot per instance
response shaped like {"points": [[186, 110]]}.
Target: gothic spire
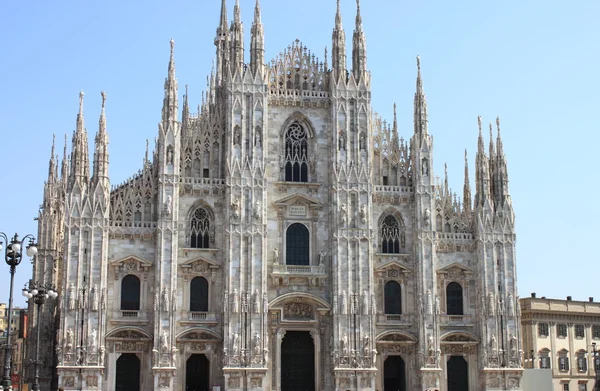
{"points": [[222, 44], [237, 40], [52, 163], [359, 47], [395, 138], [101, 147], [482, 173], [338, 47], [170, 102], [80, 161], [502, 191], [466, 187], [420, 105], [257, 43], [185, 112], [64, 170]]}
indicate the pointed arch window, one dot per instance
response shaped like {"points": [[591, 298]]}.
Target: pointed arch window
{"points": [[297, 245], [392, 236], [199, 295], [130, 293], [200, 228], [296, 154], [454, 299], [393, 298]]}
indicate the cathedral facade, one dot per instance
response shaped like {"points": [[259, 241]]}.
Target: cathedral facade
{"points": [[282, 238]]}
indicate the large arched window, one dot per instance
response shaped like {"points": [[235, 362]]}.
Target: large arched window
{"points": [[391, 235], [130, 293], [296, 154], [199, 229], [393, 298], [297, 245], [454, 299], [199, 295]]}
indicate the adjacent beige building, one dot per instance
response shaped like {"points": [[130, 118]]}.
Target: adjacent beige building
{"points": [[560, 335]]}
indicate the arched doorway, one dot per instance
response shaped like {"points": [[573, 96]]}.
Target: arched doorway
{"points": [[197, 372], [128, 373], [394, 374], [297, 362], [458, 374]]}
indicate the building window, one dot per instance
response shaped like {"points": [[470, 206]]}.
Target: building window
{"points": [[200, 227], [582, 387], [545, 359], [454, 299], [393, 298], [596, 332], [561, 330], [130, 293], [565, 387], [563, 362], [296, 154], [579, 331], [297, 245], [199, 295], [543, 329], [581, 362], [392, 237]]}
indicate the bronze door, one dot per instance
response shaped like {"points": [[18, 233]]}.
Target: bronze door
{"points": [[297, 362]]}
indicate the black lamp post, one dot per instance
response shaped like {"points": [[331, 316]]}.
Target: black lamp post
{"points": [[39, 293], [13, 254], [595, 354]]}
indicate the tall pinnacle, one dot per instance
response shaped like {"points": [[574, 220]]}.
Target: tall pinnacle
{"points": [[338, 46], [169, 110], [237, 41], [101, 147], [52, 162], [359, 47], [466, 187], [80, 163], [420, 105], [223, 24], [257, 42]]}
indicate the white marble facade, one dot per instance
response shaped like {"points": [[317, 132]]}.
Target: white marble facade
{"points": [[285, 217]]}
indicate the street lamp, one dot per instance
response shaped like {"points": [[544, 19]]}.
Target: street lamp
{"points": [[595, 354], [39, 293], [13, 254]]}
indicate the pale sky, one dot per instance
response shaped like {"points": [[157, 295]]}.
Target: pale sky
{"points": [[533, 63]]}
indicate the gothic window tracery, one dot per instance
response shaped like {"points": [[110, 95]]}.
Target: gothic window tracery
{"points": [[296, 154], [454, 299], [199, 295], [297, 245], [392, 235], [200, 229], [392, 298], [130, 293]]}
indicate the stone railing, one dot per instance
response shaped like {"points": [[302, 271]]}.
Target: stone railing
{"points": [[456, 320], [314, 274], [451, 241], [132, 228], [395, 319], [214, 186], [394, 189]]}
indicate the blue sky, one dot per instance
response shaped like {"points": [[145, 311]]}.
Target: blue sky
{"points": [[533, 63]]}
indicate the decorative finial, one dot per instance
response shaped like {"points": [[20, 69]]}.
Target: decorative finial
{"points": [[394, 110], [419, 63], [81, 94], [466, 155], [491, 134], [186, 90], [498, 123], [103, 94], [172, 42], [479, 122]]}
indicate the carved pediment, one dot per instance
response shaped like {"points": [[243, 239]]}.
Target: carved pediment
{"points": [[298, 205], [298, 311], [397, 337], [459, 337], [393, 270], [131, 263], [199, 265], [129, 335], [456, 271], [199, 335]]}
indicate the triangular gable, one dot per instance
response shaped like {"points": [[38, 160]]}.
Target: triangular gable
{"points": [[456, 270], [132, 263], [199, 265], [298, 198]]}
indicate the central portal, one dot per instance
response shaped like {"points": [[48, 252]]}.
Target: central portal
{"points": [[196, 373], [394, 374], [297, 362], [458, 374]]}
